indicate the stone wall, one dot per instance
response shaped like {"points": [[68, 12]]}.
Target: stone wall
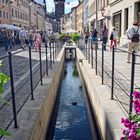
{"points": [[108, 113], [42, 122]]}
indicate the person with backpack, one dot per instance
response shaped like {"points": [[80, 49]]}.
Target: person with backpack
{"points": [[113, 38], [133, 35]]}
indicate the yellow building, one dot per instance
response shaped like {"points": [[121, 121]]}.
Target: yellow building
{"points": [[79, 18], [5, 16]]}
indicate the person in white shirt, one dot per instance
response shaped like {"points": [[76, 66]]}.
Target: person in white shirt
{"points": [[133, 35], [113, 38]]}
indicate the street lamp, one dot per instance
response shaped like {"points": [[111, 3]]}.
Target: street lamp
{"points": [[103, 12]]}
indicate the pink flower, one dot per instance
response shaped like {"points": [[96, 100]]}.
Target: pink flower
{"points": [[136, 94], [137, 106]]}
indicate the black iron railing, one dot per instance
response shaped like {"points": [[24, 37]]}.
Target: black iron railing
{"points": [[24, 78], [120, 85]]}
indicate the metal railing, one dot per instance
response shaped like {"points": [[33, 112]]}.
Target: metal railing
{"points": [[24, 75], [120, 85]]}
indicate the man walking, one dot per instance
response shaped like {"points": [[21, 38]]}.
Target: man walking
{"points": [[104, 33], [133, 34]]}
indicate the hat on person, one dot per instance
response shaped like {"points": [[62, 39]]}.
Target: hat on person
{"points": [[135, 23]]}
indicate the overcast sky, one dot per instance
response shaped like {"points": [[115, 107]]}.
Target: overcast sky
{"points": [[68, 5]]}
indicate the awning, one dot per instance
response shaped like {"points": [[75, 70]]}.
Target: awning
{"points": [[10, 27]]}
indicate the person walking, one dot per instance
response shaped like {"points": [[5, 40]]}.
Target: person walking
{"points": [[22, 37], [94, 38], [104, 34], [113, 38], [37, 40], [86, 37], [133, 35], [4, 37]]}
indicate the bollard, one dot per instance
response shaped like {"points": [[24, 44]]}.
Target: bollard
{"points": [[112, 81], [50, 55], [132, 81], [102, 63], [46, 58], [96, 58], [41, 82], [12, 89], [31, 78]]}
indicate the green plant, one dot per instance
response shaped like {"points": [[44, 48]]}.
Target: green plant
{"points": [[75, 71], [62, 36], [75, 37], [3, 80]]}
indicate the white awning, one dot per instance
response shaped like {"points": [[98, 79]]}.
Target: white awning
{"points": [[10, 27]]}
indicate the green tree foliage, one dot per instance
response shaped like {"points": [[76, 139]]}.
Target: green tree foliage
{"points": [[75, 37], [3, 80]]}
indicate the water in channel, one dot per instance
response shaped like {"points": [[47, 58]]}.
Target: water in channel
{"points": [[71, 122]]}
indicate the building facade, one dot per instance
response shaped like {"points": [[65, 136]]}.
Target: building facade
{"points": [[5, 14], [20, 13], [79, 18]]}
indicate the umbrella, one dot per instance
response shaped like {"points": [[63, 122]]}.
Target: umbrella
{"points": [[9, 27]]}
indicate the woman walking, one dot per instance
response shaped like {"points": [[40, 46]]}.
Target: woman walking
{"points": [[37, 40], [113, 38]]}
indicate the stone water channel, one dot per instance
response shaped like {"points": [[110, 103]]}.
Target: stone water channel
{"points": [[72, 119]]}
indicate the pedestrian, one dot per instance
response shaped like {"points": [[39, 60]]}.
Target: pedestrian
{"points": [[37, 40], [86, 37], [133, 35], [94, 37], [5, 39], [104, 33], [0, 38], [31, 38], [113, 38], [22, 37]]}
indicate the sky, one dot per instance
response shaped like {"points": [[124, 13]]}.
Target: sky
{"points": [[68, 5]]}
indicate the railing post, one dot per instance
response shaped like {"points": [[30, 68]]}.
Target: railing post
{"points": [[50, 54], [102, 63], [91, 56], [89, 46], [132, 81], [53, 52], [12, 89], [31, 78], [55, 48], [96, 58], [86, 50], [113, 63], [41, 82], [46, 58]]}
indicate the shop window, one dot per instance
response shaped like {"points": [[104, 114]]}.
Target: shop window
{"points": [[126, 20]]}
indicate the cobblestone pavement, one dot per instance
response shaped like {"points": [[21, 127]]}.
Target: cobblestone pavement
{"points": [[122, 73], [21, 75]]}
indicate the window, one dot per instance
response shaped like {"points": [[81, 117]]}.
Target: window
{"points": [[13, 12], [7, 15], [3, 1], [126, 19], [3, 14], [0, 13], [16, 13]]}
